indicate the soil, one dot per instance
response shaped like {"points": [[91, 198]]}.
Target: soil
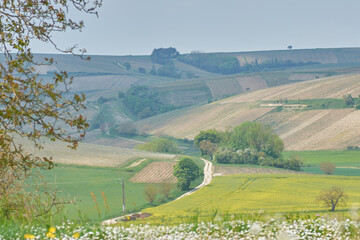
{"points": [[156, 172]]}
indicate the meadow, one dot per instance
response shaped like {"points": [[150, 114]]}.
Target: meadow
{"points": [[259, 193], [78, 182], [347, 162]]}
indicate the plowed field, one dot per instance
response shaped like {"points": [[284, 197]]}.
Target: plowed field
{"points": [[156, 172]]}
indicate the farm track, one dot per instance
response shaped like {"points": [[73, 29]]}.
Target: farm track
{"points": [[206, 181]]}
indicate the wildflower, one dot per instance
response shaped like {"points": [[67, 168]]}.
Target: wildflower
{"points": [[76, 235], [52, 230], [50, 235], [29, 236]]}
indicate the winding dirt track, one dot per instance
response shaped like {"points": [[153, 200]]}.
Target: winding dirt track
{"points": [[207, 180]]}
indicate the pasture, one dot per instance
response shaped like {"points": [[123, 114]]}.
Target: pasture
{"points": [[78, 182], [347, 162], [259, 193]]}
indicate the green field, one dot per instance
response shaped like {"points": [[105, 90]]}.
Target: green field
{"points": [[347, 162], [77, 182], [259, 193]]}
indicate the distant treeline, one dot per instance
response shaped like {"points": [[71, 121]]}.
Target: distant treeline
{"points": [[225, 64]]}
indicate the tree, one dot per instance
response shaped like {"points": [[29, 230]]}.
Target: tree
{"points": [[127, 65], [150, 192], [208, 148], [348, 99], [335, 196], [290, 47], [211, 136], [327, 167], [165, 189], [31, 107], [186, 171]]}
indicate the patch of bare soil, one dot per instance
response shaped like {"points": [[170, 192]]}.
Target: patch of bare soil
{"points": [[220, 170], [156, 172]]}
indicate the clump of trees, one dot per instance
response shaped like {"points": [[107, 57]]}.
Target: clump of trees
{"points": [[248, 143], [163, 145], [186, 171], [143, 101], [163, 55]]}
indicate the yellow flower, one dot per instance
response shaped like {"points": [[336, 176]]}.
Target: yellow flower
{"points": [[29, 236], [50, 235], [52, 230], [76, 235]]}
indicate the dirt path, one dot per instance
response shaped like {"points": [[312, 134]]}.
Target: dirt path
{"points": [[207, 180]]}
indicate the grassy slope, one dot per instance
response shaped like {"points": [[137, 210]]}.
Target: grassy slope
{"points": [[257, 193]]}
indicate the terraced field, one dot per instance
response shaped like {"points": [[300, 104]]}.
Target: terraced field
{"points": [[264, 193]]}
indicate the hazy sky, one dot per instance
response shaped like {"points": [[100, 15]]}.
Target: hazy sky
{"points": [[136, 27]]}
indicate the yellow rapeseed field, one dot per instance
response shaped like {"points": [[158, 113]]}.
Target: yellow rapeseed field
{"points": [[259, 193]]}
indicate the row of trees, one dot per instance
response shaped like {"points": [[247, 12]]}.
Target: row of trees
{"points": [[248, 143]]}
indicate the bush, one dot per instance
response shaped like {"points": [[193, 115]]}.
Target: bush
{"points": [[127, 129], [150, 192], [142, 70], [163, 145], [327, 167]]}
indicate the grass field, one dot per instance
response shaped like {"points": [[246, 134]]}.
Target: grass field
{"points": [[259, 193], [77, 182], [347, 162]]}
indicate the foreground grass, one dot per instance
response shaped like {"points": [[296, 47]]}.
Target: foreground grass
{"points": [[258, 193], [290, 228]]}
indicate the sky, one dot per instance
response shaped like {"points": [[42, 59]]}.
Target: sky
{"points": [[136, 27]]}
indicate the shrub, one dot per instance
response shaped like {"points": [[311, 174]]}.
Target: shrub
{"points": [[150, 192], [163, 145], [327, 167]]}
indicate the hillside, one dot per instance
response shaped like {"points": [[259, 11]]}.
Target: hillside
{"points": [[106, 76], [300, 129], [91, 154]]}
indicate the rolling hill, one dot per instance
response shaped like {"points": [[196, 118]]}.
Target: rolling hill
{"points": [[300, 129]]}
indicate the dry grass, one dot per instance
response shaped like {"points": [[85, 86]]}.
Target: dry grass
{"points": [[92, 155]]}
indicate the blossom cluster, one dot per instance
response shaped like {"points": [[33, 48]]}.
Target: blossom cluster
{"points": [[318, 228]]}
